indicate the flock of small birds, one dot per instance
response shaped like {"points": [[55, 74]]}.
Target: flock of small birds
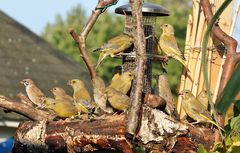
{"points": [[114, 97], [65, 106]]}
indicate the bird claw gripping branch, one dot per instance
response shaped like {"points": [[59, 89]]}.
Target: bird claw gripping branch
{"points": [[104, 4]]}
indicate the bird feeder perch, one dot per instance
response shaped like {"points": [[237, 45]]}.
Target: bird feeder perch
{"points": [[150, 13]]}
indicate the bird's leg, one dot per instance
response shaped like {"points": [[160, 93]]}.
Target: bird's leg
{"points": [[148, 37], [194, 122], [40, 106]]}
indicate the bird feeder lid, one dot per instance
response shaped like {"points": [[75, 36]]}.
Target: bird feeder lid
{"points": [[148, 9]]}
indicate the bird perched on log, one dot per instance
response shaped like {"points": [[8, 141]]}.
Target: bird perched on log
{"points": [[33, 92], [100, 97], [195, 109], [168, 44], [164, 90], [62, 108], [122, 82], [60, 95], [114, 46], [117, 99], [81, 94]]}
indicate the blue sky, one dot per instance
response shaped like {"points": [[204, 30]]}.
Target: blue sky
{"points": [[36, 14]]}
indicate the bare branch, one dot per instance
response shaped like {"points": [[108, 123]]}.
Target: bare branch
{"points": [[24, 99], [25, 110], [231, 45], [238, 57], [140, 43], [81, 39]]}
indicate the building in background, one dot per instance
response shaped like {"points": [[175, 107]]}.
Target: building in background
{"points": [[23, 54]]}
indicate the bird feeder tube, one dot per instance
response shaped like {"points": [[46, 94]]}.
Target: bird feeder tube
{"points": [[150, 12]]}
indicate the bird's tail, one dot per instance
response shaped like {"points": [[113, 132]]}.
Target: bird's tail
{"points": [[81, 108], [102, 56], [182, 61], [211, 121]]}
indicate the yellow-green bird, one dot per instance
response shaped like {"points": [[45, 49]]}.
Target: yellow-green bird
{"points": [[80, 91], [114, 46], [117, 99], [60, 94], [195, 109], [81, 94], [122, 82], [63, 109], [168, 44]]}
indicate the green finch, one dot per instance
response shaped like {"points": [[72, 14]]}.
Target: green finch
{"points": [[80, 93], [168, 44], [114, 47], [195, 109], [60, 94], [33, 92], [165, 92], [158, 51], [63, 109], [122, 82], [99, 96], [117, 99]]}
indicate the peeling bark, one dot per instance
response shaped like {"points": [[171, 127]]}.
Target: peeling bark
{"points": [[73, 136]]}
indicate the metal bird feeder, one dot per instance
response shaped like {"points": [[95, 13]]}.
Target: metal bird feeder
{"points": [[150, 13]]}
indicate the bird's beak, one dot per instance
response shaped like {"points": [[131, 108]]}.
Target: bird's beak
{"points": [[22, 82], [180, 94], [161, 26]]}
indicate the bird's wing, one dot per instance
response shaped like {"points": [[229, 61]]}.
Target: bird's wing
{"points": [[82, 94], [200, 108], [169, 41], [116, 76]]}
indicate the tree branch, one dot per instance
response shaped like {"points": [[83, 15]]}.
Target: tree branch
{"points": [[81, 39], [229, 42], [140, 42], [238, 57], [25, 109]]}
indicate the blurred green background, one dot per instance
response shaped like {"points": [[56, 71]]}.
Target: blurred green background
{"points": [[110, 25]]}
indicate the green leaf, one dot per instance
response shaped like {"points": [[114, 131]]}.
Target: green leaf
{"points": [[235, 147], [204, 51], [218, 148], [201, 149], [229, 92], [235, 123]]}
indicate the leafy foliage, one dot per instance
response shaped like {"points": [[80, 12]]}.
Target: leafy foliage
{"points": [[109, 25]]}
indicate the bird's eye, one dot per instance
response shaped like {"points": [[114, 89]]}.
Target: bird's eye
{"points": [[73, 81], [165, 25], [25, 83]]}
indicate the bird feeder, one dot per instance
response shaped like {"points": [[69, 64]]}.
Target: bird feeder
{"points": [[150, 13]]}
